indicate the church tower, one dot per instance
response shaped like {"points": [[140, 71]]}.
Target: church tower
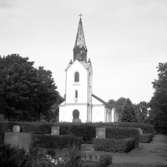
{"points": [[80, 50], [78, 84]]}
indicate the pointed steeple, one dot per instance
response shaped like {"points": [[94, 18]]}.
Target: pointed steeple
{"points": [[80, 39], [80, 50]]}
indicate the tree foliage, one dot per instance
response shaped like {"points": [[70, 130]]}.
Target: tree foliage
{"points": [[26, 92], [125, 109], [128, 112], [158, 102], [142, 111]]}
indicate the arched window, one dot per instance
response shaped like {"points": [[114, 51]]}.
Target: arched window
{"points": [[76, 77], [75, 114], [76, 94]]}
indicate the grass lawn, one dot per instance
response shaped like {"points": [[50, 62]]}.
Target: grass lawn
{"points": [[152, 154]]}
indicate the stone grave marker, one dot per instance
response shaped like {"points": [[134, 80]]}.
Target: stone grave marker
{"points": [[140, 131], [55, 130], [16, 128], [20, 140], [101, 133]]}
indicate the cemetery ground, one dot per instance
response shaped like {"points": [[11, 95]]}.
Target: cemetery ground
{"points": [[152, 154], [116, 144]]}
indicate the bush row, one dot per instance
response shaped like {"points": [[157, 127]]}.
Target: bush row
{"points": [[41, 128], [56, 142], [1, 138], [146, 138], [114, 145], [123, 133], [85, 130], [146, 128], [32, 127]]}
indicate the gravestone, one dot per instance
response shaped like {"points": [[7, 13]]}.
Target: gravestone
{"points": [[140, 131], [101, 133], [55, 130], [76, 118], [16, 128], [19, 140]]}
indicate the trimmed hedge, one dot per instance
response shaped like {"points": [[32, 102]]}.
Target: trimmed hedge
{"points": [[32, 127], [114, 145], [4, 126], [146, 138], [147, 128], [1, 138], [85, 131], [41, 128], [122, 133], [56, 142]]}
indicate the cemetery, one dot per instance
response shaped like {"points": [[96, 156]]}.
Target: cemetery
{"points": [[93, 141]]}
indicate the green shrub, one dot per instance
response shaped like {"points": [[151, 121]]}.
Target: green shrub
{"points": [[147, 128], [114, 145], [89, 164], [36, 128], [1, 138], [105, 161], [3, 126], [85, 131], [57, 142], [122, 133], [146, 138], [12, 157], [161, 127]]}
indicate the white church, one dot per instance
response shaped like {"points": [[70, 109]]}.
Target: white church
{"points": [[80, 104]]}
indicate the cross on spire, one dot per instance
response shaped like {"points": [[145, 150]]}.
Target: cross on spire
{"points": [[80, 15]]}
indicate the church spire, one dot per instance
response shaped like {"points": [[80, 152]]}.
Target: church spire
{"points": [[80, 50]]}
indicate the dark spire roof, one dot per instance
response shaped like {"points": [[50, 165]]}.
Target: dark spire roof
{"points": [[80, 39], [80, 50]]}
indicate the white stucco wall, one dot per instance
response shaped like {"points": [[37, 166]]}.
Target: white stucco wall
{"points": [[66, 112], [80, 86], [84, 96], [71, 103], [98, 113]]}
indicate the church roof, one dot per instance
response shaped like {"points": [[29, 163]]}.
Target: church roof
{"points": [[99, 99], [80, 38], [86, 65]]}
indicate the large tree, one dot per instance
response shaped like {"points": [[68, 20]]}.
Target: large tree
{"points": [[158, 102], [125, 109], [142, 111], [128, 112], [26, 92]]}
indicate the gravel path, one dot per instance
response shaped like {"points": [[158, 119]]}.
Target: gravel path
{"points": [[152, 154]]}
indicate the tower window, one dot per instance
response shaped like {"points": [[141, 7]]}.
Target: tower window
{"points": [[76, 94], [76, 77]]}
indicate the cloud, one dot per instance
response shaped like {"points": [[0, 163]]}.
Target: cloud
{"points": [[7, 3]]}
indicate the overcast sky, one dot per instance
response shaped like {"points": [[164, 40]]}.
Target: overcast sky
{"points": [[126, 39]]}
